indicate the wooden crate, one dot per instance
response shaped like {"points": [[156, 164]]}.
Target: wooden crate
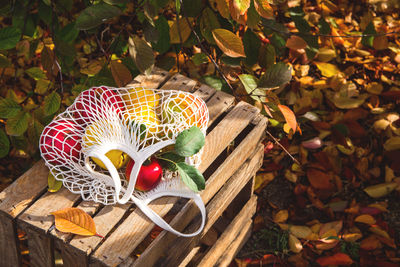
{"points": [[232, 155]]}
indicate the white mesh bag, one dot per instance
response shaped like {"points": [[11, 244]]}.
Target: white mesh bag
{"points": [[87, 145]]}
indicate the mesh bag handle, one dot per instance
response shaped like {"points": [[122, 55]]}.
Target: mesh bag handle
{"points": [[133, 123]]}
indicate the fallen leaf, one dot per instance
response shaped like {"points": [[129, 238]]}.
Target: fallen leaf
{"points": [[262, 179], [374, 88], [370, 243], [326, 54], [365, 218], [75, 221], [229, 43], [336, 259], [351, 237], [380, 190], [295, 42], [380, 42], [319, 179], [327, 69], [281, 216], [379, 231], [314, 143], [300, 231], [295, 244], [290, 117], [392, 143]]}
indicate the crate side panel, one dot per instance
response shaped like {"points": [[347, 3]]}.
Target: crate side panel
{"points": [[214, 183], [179, 82], [181, 246], [230, 234], [41, 250], [9, 249]]}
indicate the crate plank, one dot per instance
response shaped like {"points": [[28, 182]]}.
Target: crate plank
{"points": [[154, 80], [205, 92], [190, 256], [179, 82], [9, 250], [214, 183], [235, 246], [15, 198], [218, 104], [232, 231], [40, 248], [214, 209], [220, 137]]}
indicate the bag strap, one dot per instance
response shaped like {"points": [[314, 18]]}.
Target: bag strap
{"points": [[152, 215]]}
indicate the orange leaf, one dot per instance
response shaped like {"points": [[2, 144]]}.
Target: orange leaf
{"points": [[240, 6], [337, 259], [264, 9], [74, 220], [289, 116], [296, 42], [365, 218], [222, 7], [121, 73], [319, 179], [229, 43], [281, 216], [370, 243]]}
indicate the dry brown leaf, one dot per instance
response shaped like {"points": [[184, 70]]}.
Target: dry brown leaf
{"points": [[336, 259], [319, 179], [380, 190], [300, 231], [74, 220], [296, 42], [370, 243], [365, 218]]}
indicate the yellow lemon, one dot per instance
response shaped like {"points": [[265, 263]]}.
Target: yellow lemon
{"points": [[140, 95], [143, 115], [117, 157]]}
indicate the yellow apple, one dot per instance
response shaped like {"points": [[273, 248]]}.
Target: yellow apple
{"points": [[117, 157], [145, 115], [140, 95]]}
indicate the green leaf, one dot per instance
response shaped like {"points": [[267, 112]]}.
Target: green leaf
{"points": [[9, 108], [52, 103], [229, 43], [19, 124], [53, 184], [253, 18], [271, 26], [142, 54], [249, 82], [191, 176], [4, 62], [4, 144], [251, 45], [34, 131], [267, 56], [199, 58], [324, 27], [95, 15], [369, 40], [189, 142], [279, 43], [277, 75], [36, 73], [42, 86], [208, 23], [163, 43], [116, 2], [9, 37], [69, 33], [170, 156], [216, 83]]}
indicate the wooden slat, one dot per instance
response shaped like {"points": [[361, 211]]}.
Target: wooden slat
{"points": [[157, 77], [235, 246], [190, 256], [111, 251], [214, 183], [218, 104], [179, 82], [231, 232], [205, 92], [182, 246], [9, 250], [15, 198]]}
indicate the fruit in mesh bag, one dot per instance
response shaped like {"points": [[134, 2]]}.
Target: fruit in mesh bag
{"points": [[143, 115], [60, 142], [93, 136], [183, 108], [140, 95], [149, 176], [96, 103]]}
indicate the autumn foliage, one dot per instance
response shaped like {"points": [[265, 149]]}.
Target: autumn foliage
{"points": [[326, 73]]}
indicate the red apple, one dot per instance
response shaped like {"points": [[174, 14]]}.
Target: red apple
{"points": [[60, 141], [97, 102], [149, 174]]}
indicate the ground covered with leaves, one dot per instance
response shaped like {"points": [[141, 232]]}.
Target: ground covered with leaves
{"points": [[325, 72]]}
